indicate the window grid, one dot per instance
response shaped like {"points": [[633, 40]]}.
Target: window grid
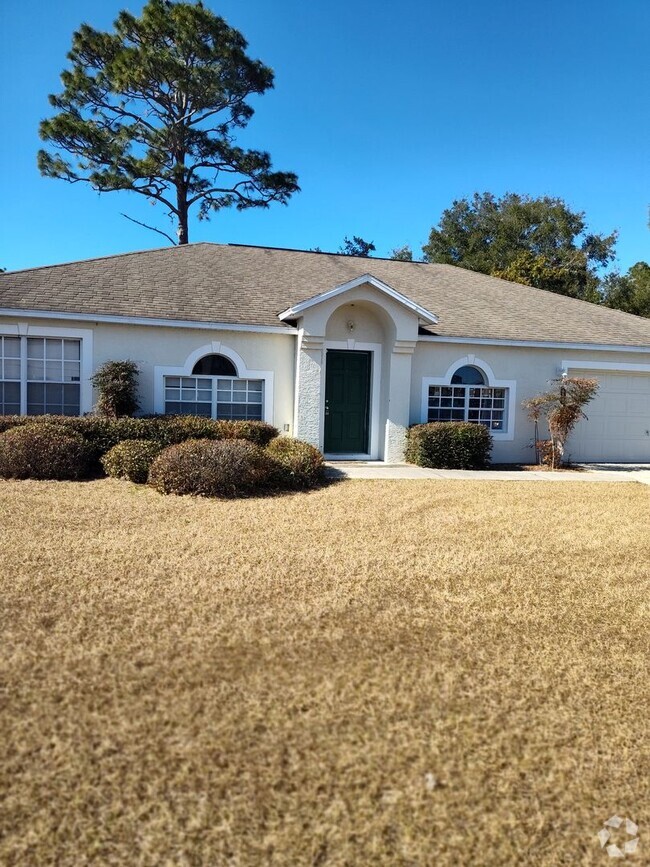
{"points": [[477, 404], [53, 376], [221, 398], [9, 375]]}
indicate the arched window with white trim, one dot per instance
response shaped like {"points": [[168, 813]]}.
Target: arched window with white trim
{"points": [[468, 397], [215, 390]]}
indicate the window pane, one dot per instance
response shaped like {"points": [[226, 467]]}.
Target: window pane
{"points": [[35, 347], [9, 398], [71, 371], [53, 349], [72, 350], [35, 370], [11, 368], [53, 371]]}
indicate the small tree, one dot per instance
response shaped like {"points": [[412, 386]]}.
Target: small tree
{"points": [[402, 254], [562, 407], [117, 383], [356, 246]]}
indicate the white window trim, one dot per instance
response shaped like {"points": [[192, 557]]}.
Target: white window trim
{"points": [[25, 330], [375, 396], [214, 348], [508, 433]]}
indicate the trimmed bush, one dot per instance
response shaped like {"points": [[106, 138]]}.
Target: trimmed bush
{"points": [[177, 429], [103, 433], [300, 465], [213, 468], [43, 451], [131, 459], [451, 445]]}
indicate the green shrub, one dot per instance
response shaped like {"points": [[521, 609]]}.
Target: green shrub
{"points": [[102, 433], [179, 428], [300, 464], [131, 459], [213, 468], [453, 445], [43, 451], [117, 383]]}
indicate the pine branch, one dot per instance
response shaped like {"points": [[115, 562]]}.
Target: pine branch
{"points": [[153, 229]]}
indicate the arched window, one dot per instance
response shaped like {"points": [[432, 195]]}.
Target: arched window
{"points": [[468, 375], [468, 397], [214, 365], [214, 390]]}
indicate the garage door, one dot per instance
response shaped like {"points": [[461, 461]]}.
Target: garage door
{"points": [[618, 428]]}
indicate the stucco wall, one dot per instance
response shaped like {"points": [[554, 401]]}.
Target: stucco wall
{"points": [[532, 368], [150, 346]]}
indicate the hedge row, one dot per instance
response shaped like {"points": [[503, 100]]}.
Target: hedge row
{"points": [[449, 445], [224, 467], [102, 433]]}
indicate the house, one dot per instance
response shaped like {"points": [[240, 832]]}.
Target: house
{"points": [[340, 351]]}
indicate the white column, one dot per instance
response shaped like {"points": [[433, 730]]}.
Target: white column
{"points": [[308, 389], [399, 400]]}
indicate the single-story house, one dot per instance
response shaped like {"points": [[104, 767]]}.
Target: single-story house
{"points": [[340, 351]]}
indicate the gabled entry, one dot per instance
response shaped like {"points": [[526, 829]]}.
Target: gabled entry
{"points": [[347, 402]]}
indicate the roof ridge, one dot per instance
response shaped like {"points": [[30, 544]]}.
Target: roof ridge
{"points": [[113, 256]]}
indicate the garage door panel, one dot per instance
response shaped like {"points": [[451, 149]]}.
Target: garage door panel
{"points": [[618, 425]]}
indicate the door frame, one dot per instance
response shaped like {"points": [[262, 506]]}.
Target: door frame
{"points": [[375, 381]]}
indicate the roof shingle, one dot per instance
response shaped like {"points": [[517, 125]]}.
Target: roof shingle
{"points": [[251, 285]]}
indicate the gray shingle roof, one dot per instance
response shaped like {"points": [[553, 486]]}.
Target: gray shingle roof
{"points": [[252, 285]]}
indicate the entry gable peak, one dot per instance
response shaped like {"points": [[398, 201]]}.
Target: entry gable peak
{"points": [[296, 310]]}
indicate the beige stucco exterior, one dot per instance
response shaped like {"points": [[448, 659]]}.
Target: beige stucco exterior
{"points": [[293, 365]]}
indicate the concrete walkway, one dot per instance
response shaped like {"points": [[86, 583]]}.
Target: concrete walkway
{"points": [[588, 473]]}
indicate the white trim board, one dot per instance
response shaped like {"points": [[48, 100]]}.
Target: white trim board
{"points": [[148, 321], [535, 344], [375, 396], [612, 366], [506, 435], [298, 309]]}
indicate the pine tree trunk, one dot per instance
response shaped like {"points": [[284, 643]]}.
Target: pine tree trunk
{"points": [[181, 200]]}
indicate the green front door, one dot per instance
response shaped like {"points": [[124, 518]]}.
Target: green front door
{"points": [[347, 402]]}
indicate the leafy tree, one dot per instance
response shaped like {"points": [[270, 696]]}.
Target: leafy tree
{"points": [[154, 108], [357, 247], [562, 407], [536, 241], [629, 292], [402, 254]]}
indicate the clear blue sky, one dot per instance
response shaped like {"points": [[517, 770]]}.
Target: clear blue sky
{"points": [[387, 112]]}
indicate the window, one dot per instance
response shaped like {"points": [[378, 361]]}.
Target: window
{"points": [[188, 395], [215, 365], [218, 393], [468, 398], [10, 375], [43, 373]]}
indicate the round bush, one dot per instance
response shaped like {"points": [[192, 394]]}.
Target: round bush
{"points": [[300, 465], [213, 468], [131, 460], [43, 451]]}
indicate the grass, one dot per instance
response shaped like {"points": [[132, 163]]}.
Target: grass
{"points": [[377, 673]]}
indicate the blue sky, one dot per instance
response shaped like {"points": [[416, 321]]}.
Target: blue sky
{"points": [[387, 112]]}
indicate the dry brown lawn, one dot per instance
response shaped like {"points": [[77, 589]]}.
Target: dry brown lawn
{"points": [[378, 673]]}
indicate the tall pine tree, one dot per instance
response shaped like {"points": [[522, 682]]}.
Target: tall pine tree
{"points": [[154, 108]]}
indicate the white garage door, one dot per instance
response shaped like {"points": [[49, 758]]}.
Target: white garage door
{"points": [[618, 428]]}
